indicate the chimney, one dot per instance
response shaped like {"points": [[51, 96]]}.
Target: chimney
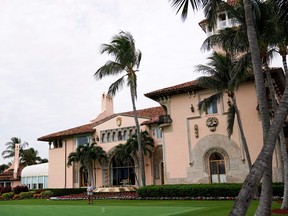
{"points": [[106, 109], [16, 160], [107, 104]]}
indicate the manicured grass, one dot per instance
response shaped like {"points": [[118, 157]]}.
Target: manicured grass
{"points": [[119, 208]]}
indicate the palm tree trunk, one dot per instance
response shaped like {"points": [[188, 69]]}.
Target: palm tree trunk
{"points": [[262, 162], [264, 207], [243, 138], [141, 162], [285, 167]]}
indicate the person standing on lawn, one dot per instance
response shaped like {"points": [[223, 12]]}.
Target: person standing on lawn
{"points": [[90, 193]]}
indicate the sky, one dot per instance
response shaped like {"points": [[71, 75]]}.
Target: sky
{"points": [[50, 49]]}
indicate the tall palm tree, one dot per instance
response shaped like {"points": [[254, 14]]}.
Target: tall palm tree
{"points": [[234, 40], [126, 59], [29, 157], [270, 132], [223, 75], [86, 155], [10, 147]]}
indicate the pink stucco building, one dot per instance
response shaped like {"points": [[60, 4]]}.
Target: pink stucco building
{"points": [[190, 148]]}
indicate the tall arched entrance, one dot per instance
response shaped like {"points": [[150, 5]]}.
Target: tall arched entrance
{"points": [[217, 168], [123, 173]]}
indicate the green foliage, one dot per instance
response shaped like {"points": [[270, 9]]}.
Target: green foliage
{"points": [[198, 190], [46, 194], [27, 195], [7, 196]]}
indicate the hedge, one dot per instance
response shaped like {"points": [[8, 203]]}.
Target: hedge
{"points": [[66, 191], [199, 190]]}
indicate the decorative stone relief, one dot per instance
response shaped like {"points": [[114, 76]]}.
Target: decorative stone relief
{"points": [[212, 123], [196, 130]]}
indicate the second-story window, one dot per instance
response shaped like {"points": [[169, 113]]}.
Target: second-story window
{"points": [[212, 109], [125, 134], [157, 132], [82, 141], [114, 137], [119, 135], [109, 137], [103, 138]]}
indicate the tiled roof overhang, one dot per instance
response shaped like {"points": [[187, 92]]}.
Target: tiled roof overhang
{"points": [[90, 128], [192, 86], [187, 87]]}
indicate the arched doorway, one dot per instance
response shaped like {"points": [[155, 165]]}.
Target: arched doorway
{"points": [[123, 173], [217, 168], [83, 177]]}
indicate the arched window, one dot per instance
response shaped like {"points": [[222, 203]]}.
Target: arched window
{"points": [[123, 173], [125, 135], [130, 132], [114, 137], [217, 168], [119, 135], [103, 138], [109, 137]]}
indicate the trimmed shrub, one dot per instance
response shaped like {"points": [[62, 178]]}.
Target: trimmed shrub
{"points": [[26, 195], [5, 189], [8, 196], [20, 188], [199, 190], [46, 194]]}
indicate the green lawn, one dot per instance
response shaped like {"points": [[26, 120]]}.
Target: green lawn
{"points": [[118, 208]]}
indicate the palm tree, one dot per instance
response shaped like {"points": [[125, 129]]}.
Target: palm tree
{"points": [[223, 75], [123, 152], [86, 155], [127, 60], [10, 149], [147, 144], [29, 157], [270, 132], [3, 167]]}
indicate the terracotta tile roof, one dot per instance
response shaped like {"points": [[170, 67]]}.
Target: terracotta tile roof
{"points": [[189, 87], [186, 87], [7, 175], [89, 128]]}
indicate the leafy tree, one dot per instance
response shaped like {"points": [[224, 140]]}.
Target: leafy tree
{"points": [[126, 59], [10, 147], [223, 75], [86, 155]]}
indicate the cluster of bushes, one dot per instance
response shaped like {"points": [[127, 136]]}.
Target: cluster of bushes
{"points": [[228, 190], [22, 192]]}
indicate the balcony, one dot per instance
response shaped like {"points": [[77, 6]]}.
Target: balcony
{"points": [[164, 120]]}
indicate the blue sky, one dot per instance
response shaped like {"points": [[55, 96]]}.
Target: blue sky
{"points": [[49, 51]]}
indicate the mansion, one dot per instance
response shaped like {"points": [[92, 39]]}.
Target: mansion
{"points": [[189, 147]]}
